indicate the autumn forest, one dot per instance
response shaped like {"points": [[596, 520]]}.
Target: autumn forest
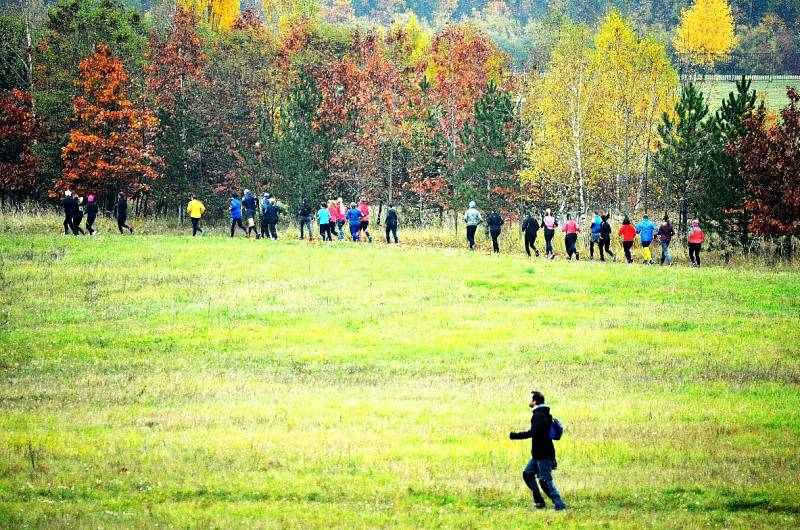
{"points": [[426, 107]]}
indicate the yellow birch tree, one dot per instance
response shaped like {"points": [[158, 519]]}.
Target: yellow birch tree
{"points": [[706, 32], [219, 14]]}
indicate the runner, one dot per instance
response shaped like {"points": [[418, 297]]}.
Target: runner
{"points": [[391, 224], [530, 227], [696, 238], [195, 209], [549, 222], [665, 233], [628, 233], [646, 230], [91, 214], [571, 229], [364, 209], [594, 236], [353, 216], [472, 218], [605, 238], [236, 214], [495, 222], [78, 218], [250, 204], [122, 213], [70, 206], [324, 219]]}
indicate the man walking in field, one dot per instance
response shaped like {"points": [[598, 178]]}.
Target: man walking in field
{"points": [[543, 454], [195, 209]]}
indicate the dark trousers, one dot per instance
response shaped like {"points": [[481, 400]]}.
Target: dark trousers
{"points": [[471, 235], [530, 243], [196, 226], [264, 226], [68, 224], [237, 222], [495, 233], [273, 231], [90, 223], [570, 240], [305, 222], [121, 224], [694, 253], [626, 246], [548, 240], [331, 230], [76, 225], [391, 229], [324, 231], [543, 471], [594, 239], [605, 244]]}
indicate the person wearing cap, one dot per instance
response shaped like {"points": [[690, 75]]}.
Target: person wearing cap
{"points": [[696, 238], [91, 214], [263, 206], [472, 218], [70, 206], [122, 214], [549, 223], [195, 209], [250, 204]]}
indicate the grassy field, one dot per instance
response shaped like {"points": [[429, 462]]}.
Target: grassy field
{"points": [[773, 92], [154, 381]]}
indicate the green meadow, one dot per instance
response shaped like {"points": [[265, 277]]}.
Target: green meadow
{"points": [[773, 92], [164, 381]]}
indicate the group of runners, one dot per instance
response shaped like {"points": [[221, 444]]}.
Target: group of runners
{"points": [[600, 235], [332, 216]]}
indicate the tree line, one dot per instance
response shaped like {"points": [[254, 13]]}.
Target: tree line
{"points": [[206, 99]]}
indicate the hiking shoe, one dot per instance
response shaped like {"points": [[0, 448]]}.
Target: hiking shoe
{"points": [[539, 505]]}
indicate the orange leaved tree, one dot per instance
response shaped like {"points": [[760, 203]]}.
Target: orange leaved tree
{"points": [[109, 148]]}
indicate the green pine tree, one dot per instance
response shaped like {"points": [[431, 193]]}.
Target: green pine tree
{"points": [[683, 158]]}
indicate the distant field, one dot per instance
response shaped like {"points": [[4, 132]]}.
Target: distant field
{"points": [[154, 381], [773, 92]]}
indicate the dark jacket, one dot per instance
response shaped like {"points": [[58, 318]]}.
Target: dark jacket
{"points": [[541, 444], [391, 217], [122, 207], [495, 222], [305, 211], [665, 232], [250, 203], [530, 226], [271, 213], [70, 206], [605, 231], [91, 209], [78, 215]]}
